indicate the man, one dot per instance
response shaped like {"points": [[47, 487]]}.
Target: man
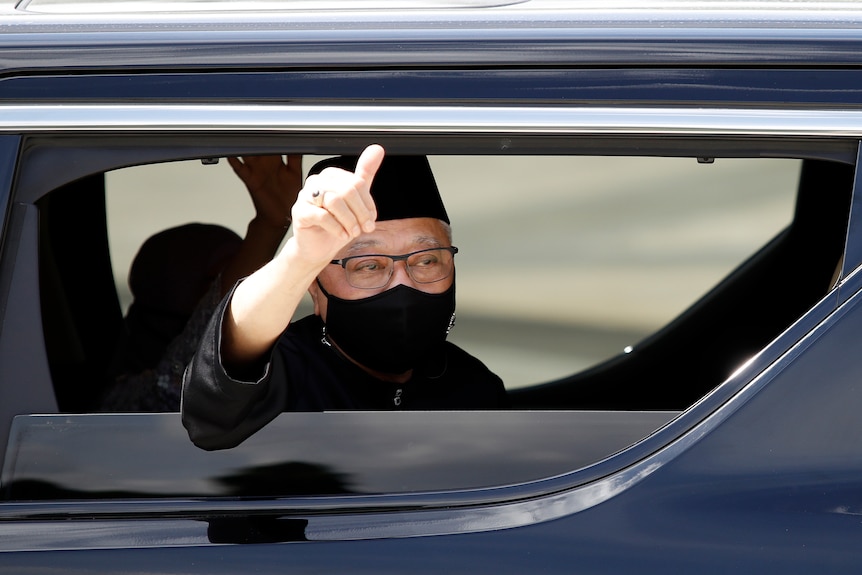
{"points": [[372, 246]]}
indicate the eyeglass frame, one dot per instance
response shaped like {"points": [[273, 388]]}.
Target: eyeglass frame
{"points": [[399, 258]]}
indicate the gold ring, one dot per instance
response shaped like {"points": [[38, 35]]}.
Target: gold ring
{"points": [[317, 198]]}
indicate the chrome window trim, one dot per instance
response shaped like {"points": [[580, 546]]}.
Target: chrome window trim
{"points": [[225, 118]]}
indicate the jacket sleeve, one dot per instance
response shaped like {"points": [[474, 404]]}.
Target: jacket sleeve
{"points": [[220, 411]]}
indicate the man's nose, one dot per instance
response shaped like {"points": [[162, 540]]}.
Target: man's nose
{"points": [[400, 275]]}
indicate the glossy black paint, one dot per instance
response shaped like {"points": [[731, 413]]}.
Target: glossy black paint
{"points": [[554, 86], [307, 454]]}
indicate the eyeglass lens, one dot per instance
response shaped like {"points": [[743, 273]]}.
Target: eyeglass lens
{"points": [[374, 271]]}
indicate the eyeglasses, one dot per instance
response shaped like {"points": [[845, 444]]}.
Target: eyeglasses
{"points": [[375, 270]]}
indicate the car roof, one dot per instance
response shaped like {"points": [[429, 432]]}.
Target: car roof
{"points": [[79, 34], [451, 6], [446, 13]]}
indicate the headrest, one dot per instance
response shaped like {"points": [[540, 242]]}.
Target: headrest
{"points": [[173, 268]]}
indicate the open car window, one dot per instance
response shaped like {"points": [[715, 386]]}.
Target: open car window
{"points": [[564, 261], [610, 292]]}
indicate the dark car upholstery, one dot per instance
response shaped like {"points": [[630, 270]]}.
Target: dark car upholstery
{"points": [[81, 311]]}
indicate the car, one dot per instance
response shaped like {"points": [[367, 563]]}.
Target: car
{"points": [[658, 217]]}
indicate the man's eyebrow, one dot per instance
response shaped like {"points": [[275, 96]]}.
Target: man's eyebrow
{"points": [[430, 241], [362, 246]]}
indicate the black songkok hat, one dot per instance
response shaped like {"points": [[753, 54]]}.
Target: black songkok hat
{"points": [[403, 187]]}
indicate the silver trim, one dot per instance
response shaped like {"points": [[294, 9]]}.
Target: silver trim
{"points": [[853, 239], [430, 119]]}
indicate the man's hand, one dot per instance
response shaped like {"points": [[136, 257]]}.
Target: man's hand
{"points": [[263, 305], [335, 207]]}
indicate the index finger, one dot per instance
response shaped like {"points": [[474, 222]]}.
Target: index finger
{"points": [[236, 164]]}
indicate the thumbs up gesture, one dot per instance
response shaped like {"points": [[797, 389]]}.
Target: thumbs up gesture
{"points": [[335, 207]]}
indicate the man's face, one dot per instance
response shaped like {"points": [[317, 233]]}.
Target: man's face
{"points": [[390, 237]]}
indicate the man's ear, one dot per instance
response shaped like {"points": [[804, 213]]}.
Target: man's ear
{"points": [[318, 299]]}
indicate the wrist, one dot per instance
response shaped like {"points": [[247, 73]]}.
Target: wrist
{"points": [[293, 257]]}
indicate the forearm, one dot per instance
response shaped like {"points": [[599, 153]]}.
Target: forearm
{"points": [[264, 304], [221, 409]]}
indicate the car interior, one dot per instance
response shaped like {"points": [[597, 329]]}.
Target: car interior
{"points": [[680, 363], [670, 369]]}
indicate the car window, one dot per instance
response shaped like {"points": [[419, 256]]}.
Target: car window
{"points": [[356, 453], [582, 281], [564, 261]]}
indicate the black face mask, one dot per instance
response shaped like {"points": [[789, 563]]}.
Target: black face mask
{"points": [[394, 331]]}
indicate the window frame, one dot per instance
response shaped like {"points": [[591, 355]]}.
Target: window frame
{"points": [[95, 138]]}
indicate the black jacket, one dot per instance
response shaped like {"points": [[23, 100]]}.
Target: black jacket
{"points": [[305, 374]]}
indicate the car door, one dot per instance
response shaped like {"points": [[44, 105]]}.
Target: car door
{"points": [[659, 251], [533, 488]]}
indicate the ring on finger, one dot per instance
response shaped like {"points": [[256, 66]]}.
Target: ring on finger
{"points": [[317, 197]]}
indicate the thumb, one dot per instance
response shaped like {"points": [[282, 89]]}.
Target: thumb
{"points": [[369, 162]]}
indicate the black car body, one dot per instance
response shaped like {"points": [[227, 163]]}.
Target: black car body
{"points": [[726, 440]]}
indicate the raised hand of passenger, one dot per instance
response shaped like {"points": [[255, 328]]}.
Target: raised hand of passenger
{"points": [[272, 183], [273, 186], [335, 207]]}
